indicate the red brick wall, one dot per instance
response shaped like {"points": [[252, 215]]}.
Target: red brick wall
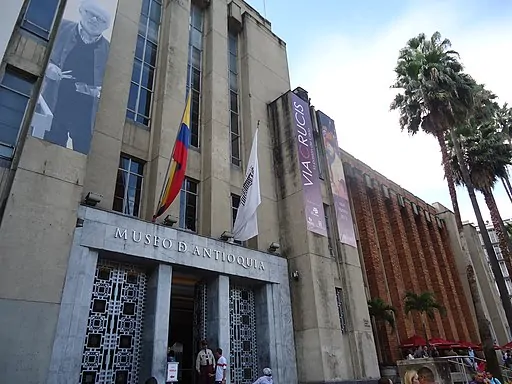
{"points": [[404, 252]]}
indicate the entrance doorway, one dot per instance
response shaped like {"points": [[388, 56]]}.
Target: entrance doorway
{"points": [[187, 323]]}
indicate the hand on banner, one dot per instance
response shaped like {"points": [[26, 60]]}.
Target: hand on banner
{"points": [[53, 72]]}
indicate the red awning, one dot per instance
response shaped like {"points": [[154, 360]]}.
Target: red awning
{"points": [[507, 346], [465, 345], [413, 341], [496, 347], [438, 342]]}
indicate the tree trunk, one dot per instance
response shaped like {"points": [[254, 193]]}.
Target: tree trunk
{"points": [[377, 341], [483, 325], [507, 186], [422, 315], [499, 227]]}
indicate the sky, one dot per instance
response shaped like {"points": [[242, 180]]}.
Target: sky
{"points": [[344, 52]]}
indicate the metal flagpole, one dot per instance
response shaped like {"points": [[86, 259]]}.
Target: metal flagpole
{"points": [[265, 9]]}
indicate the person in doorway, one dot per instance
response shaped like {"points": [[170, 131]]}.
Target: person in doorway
{"points": [[266, 378], [221, 367], [205, 363], [170, 356]]}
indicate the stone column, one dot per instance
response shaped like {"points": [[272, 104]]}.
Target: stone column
{"points": [[217, 330], [69, 339], [266, 329], [156, 324]]}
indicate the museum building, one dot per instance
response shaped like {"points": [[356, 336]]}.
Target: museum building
{"points": [[91, 291]]}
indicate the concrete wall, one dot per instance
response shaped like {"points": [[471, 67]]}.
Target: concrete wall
{"points": [[488, 289]]}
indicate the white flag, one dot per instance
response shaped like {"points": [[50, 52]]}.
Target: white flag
{"points": [[246, 223]]}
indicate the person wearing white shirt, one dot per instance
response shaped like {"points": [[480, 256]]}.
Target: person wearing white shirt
{"points": [[266, 378], [221, 367], [205, 363]]}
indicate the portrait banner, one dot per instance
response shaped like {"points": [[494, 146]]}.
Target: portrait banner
{"points": [[308, 165], [66, 108], [337, 180]]}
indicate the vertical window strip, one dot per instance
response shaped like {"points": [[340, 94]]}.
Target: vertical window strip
{"points": [[328, 229], [188, 205], [144, 63], [234, 121], [195, 58], [128, 192], [341, 310], [235, 203]]}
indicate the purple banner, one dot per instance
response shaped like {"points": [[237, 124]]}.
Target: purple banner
{"points": [[337, 179], [308, 165]]}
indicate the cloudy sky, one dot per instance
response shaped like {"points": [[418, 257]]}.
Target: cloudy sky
{"points": [[344, 52]]}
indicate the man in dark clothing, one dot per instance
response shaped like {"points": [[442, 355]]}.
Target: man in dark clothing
{"points": [[74, 76]]}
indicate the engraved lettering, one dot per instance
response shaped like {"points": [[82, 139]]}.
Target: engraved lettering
{"points": [[121, 234], [166, 241], [182, 247]]}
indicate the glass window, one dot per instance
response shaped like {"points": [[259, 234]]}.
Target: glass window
{"points": [[503, 268], [39, 17], [492, 236], [144, 63], [15, 91], [188, 205], [341, 310], [235, 203], [195, 57], [128, 191], [234, 99]]}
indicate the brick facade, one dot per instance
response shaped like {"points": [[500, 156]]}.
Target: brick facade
{"points": [[405, 248]]}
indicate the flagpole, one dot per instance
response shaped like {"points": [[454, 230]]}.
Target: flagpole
{"points": [[189, 86]]}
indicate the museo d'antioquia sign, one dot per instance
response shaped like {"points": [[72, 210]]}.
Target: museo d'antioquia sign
{"points": [[155, 241]]}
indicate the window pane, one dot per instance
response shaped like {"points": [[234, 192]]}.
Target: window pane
{"points": [[144, 102], [148, 74], [118, 204], [196, 80], [196, 57], [155, 12], [235, 201], [234, 124], [143, 120], [132, 99], [139, 49], [145, 7], [197, 17], [137, 67], [143, 25], [130, 115], [153, 31], [232, 43], [17, 83], [9, 129], [136, 167], [192, 187], [124, 163], [150, 54], [233, 81], [40, 14], [196, 39], [235, 147], [233, 101], [232, 64], [194, 138]]}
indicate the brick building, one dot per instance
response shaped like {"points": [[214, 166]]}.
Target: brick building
{"points": [[406, 247]]}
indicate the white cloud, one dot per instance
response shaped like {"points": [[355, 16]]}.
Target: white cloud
{"points": [[349, 78]]}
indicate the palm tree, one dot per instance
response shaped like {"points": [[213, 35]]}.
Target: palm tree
{"points": [[504, 122], [434, 94], [487, 156], [382, 313], [425, 304]]}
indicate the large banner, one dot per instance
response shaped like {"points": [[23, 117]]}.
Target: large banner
{"points": [[337, 179], [67, 106], [308, 165]]}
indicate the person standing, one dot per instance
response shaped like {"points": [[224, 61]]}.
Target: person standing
{"points": [[205, 363], [266, 378], [221, 367]]}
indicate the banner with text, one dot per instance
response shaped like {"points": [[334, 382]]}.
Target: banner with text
{"points": [[67, 106], [308, 165], [337, 179]]}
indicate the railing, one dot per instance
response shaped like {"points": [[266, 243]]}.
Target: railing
{"points": [[462, 368]]}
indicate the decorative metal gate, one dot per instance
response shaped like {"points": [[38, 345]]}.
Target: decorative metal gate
{"points": [[112, 342], [200, 319], [244, 354]]}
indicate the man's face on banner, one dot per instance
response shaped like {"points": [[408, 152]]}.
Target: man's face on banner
{"points": [[95, 20]]}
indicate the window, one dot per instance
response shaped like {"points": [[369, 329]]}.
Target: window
{"points": [[497, 251], [144, 63], [234, 121], [328, 229], [509, 286], [319, 159], [188, 205], [40, 17], [341, 310], [15, 91], [503, 268], [235, 203], [195, 57], [492, 236], [128, 192]]}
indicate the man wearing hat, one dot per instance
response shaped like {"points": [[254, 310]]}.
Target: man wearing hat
{"points": [[205, 363], [266, 378]]}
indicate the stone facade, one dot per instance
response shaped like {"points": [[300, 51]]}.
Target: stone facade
{"points": [[405, 247]]}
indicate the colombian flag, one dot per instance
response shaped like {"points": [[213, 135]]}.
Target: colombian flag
{"points": [[176, 173]]}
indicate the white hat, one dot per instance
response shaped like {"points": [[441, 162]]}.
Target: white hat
{"points": [[267, 371]]}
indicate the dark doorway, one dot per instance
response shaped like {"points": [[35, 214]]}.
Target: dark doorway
{"points": [[183, 323]]}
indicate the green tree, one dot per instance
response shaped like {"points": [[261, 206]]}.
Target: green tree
{"points": [[487, 156], [382, 314], [424, 304], [435, 96], [504, 123]]}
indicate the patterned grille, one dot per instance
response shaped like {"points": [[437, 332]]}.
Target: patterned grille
{"points": [[341, 310], [200, 312], [112, 341], [244, 354]]}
